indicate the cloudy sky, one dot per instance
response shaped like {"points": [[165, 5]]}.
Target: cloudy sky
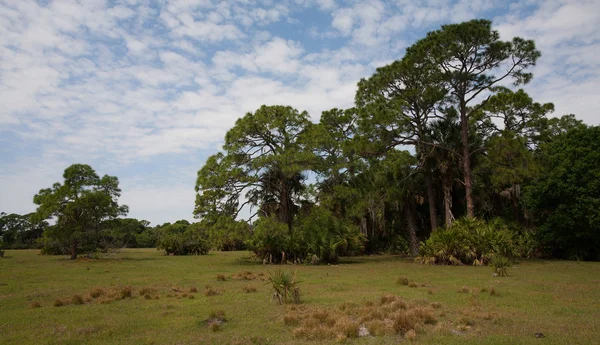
{"points": [[146, 89]]}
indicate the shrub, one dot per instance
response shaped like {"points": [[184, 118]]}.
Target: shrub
{"points": [[182, 239], [285, 286], [500, 265], [474, 242]]}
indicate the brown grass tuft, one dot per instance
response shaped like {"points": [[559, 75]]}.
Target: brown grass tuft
{"points": [[77, 299], [402, 281], [35, 305], [214, 326], [126, 292], [493, 291], [96, 292], [464, 289], [413, 285], [193, 289], [248, 289], [436, 305], [210, 291], [59, 303], [147, 296], [411, 335], [387, 299], [221, 277]]}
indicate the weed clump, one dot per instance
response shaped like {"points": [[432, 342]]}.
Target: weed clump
{"points": [[413, 285], [464, 289], [221, 277], [500, 265], [35, 305], [215, 320], [193, 289], [59, 303], [96, 292]]}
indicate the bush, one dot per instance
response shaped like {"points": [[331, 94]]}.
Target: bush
{"points": [[500, 265], [285, 286], [182, 239], [475, 242]]}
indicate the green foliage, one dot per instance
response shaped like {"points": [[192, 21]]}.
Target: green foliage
{"points": [[285, 286], [473, 242], [500, 265], [566, 198], [19, 232], [322, 234], [269, 239], [183, 238], [80, 205]]}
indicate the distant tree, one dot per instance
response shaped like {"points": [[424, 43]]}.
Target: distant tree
{"points": [[182, 238], [79, 206], [124, 232], [18, 231], [566, 198]]}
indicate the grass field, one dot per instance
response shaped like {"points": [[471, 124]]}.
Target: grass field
{"points": [[559, 299]]}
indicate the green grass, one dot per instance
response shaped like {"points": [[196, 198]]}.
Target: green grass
{"points": [[557, 298]]}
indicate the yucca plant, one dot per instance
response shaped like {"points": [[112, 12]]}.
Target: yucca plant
{"points": [[500, 265], [285, 286]]}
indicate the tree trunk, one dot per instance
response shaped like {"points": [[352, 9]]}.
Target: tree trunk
{"points": [[412, 231], [73, 249], [448, 202], [431, 198], [466, 158]]}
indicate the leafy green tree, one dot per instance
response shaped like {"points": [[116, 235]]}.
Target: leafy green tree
{"points": [[566, 198], [265, 157], [182, 238], [79, 206], [472, 60], [397, 104]]}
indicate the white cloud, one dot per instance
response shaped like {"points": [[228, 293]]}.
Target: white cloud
{"points": [[121, 85]]}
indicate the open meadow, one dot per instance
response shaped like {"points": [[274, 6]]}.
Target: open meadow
{"points": [[143, 297]]}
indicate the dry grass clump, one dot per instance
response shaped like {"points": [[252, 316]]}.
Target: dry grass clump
{"points": [[59, 303], [221, 277], [215, 320], [77, 299], [402, 281], [390, 316], [97, 292], [247, 275], [413, 285], [493, 291], [210, 291], [126, 292], [464, 289], [248, 289], [35, 305], [411, 335], [193, 289]]}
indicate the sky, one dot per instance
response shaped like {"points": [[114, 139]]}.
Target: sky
{"points": [[146, 90]]}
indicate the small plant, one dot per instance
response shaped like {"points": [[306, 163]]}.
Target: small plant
{"points": [[193, 289], [216, 318], [413, 285], [500, 265], [285, 286], [221, 277], [464, 289], [411, 335], [35, 305], [77, 299], [59, 303], [493, 291], [402, 281]]}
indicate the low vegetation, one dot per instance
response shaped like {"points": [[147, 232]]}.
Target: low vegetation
{"points": [[544, 297]]}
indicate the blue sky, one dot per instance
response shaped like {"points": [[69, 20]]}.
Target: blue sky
{"points": [[145, 90]]}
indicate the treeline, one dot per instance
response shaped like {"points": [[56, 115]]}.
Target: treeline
{"points": [[438, 159], [433, 137]]}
